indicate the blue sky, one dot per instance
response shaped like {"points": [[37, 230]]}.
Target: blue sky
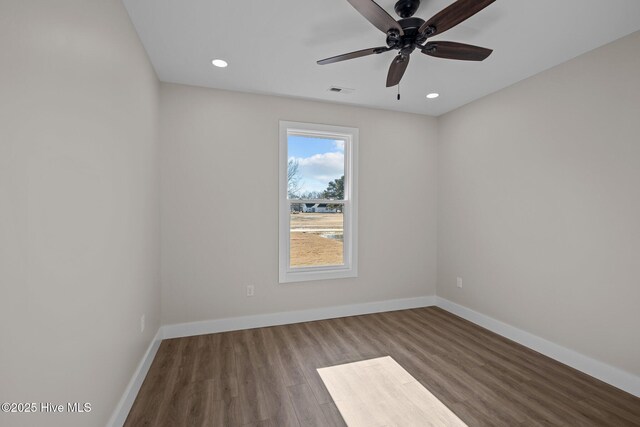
{"points": [[320, 161]]}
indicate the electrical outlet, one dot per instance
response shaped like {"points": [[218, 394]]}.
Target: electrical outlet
{"points": [[459, 282], [142, 325], [250, 290]]}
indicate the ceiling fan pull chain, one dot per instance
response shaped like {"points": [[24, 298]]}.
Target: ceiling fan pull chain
{"points": [[398, 91]]}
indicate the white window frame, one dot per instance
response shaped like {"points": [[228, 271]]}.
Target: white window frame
{"points": [[350, 210]]}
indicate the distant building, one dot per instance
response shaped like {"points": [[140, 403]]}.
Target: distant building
{"points": [[319, 208]]}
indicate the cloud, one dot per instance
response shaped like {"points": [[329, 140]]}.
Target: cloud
{"points": [[326, 163], [339, 144], [318, 170]]}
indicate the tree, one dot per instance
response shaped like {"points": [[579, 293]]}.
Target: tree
{"points": [[335, 189], [293, 178], [312, 195]]}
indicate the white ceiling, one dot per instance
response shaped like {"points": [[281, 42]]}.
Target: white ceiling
{"points": [[272, 47]]}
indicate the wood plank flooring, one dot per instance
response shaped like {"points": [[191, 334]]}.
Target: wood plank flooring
{"points": [[268, 377]]}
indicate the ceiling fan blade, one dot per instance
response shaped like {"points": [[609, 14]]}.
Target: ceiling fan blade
{"points": [[397, 69], [453, 50], [352, 55], [376, 15], [451, 16]]}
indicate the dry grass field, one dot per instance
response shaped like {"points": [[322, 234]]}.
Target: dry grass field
{"points": [[308, 246]]}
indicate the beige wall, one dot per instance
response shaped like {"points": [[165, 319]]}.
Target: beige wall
{"points": [[79, 223], [219, 161], [539, 204]]}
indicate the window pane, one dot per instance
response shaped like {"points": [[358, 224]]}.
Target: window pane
{"points": [[315, 168], [317, 235]]}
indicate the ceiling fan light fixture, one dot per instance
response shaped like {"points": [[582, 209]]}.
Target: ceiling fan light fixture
{"points": [[220, 63], [433, 95]]}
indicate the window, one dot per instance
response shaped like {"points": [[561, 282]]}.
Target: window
{"points": [[318, 202]]}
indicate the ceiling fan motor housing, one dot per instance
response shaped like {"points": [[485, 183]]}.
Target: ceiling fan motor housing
{"points": [[406, 8], [411, 37]]}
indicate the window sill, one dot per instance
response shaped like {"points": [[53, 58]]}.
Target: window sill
{"points": [[321, 273]]}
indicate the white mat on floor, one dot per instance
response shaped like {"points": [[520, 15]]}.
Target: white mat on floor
{"points": [[379, 392]]}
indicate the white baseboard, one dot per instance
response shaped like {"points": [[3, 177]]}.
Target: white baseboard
{"points": [[602, 371], [609, 374], [121, 412], [247, 322], [284, 318]]}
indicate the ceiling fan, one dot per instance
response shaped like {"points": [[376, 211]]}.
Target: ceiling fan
{"points": [[410, 33]]}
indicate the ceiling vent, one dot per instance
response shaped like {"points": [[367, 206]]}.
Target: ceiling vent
{"points": [[338, 89]]}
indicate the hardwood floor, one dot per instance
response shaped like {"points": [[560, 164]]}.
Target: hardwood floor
{"points": [[268, 377]]}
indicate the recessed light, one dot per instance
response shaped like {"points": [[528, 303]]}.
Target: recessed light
{"points": [[219, 63], [433, 95]]}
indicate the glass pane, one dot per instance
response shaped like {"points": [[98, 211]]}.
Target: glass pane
{"points": [[316, 168], [317, 235]]}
